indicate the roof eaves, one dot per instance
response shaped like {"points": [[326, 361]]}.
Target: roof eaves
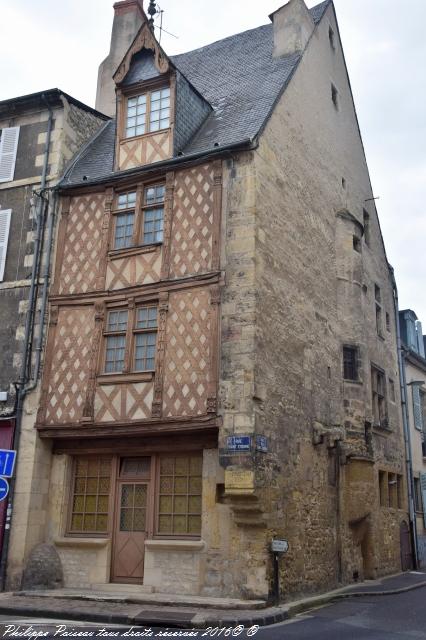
{"points": [[156, 166]]}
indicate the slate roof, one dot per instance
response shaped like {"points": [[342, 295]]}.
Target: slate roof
{"points": [[240, 79]]}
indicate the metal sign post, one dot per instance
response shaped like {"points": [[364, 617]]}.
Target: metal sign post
{"points": [[278, 548]]}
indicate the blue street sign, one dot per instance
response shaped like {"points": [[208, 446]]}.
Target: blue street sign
{"points": [[7, 462], [4, 488], [239, 443], [262, 444]]}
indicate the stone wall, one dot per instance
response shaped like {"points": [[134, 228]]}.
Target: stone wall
{"points": [[297, 289]]}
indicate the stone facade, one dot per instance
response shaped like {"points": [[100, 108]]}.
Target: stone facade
{"points": [[270, 270]]}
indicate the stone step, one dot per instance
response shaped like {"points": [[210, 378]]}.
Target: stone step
{"points": [[120, 589]]}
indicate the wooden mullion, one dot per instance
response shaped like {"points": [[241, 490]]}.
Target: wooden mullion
{"points": [[138, 215], [129, 345], [148, 112]]}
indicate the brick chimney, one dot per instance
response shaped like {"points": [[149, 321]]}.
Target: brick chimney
{"points": [[128, 18], [293, 26]]}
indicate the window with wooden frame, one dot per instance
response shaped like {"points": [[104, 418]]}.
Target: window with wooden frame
{"points": [[89, 508], [179, 495], [378, 397], [139, 217], [130, 340], [148, 112], [125, 220]]}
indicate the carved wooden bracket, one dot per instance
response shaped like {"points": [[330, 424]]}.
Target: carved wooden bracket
{"points": [[144, 40]]}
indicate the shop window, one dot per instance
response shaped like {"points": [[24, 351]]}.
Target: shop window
{"points": [[179, 505], [89, 507]]}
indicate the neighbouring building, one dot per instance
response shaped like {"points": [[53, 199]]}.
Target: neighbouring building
{"points": [[413, 351], [39, 134], [221, 364]]}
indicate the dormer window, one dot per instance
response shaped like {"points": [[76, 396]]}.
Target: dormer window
{"points": [[148, 112]]}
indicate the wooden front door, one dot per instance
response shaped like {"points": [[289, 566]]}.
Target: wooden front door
{"points": [[130, 532]]}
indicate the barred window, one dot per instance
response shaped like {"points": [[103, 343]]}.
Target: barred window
{"points": [[90, 495], [350, 363], [179, 511]]}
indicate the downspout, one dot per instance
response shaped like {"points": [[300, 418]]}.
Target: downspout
{"points": [[407, 438], [45, 291], [22, 390]]}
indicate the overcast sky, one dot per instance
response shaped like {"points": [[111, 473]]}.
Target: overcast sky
{"points": [[60, 43]]}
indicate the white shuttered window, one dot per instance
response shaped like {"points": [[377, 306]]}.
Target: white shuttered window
{"points": [[8, 149], [5, 216]]}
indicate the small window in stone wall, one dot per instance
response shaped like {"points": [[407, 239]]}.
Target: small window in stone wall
{"points": [[332, 38], [388, 322], [366, 220], [351, 363], [335, 96], [391, 490], [392, 390], [356, 244]]}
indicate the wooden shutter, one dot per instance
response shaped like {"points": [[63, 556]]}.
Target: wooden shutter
{"points": [[423, 490], [8, 148], [5, 216], [417, 407]]}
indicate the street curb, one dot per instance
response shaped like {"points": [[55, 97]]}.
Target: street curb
{"points": [[278, 614], [323, 600]]}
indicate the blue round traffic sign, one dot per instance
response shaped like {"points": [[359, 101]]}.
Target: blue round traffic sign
{"points": [[4, 488]]}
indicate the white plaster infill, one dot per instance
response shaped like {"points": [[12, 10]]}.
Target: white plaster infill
{"points": [[86, 543], [175, 545]]}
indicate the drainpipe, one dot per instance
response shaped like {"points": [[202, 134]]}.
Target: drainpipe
{"points": [[22, 389], [406, 425]]}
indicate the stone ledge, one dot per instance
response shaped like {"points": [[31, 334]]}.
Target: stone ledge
{"points": [[175, 545], [85, 543]]}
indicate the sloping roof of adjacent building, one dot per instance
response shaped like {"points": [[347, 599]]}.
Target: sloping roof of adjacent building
{"points": [[240, 79], [40, 100]]}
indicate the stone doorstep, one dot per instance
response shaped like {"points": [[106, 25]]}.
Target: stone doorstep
{"points": [[171, 600]]}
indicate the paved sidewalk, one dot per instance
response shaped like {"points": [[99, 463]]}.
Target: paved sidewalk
{"points": [[184, 612]]}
